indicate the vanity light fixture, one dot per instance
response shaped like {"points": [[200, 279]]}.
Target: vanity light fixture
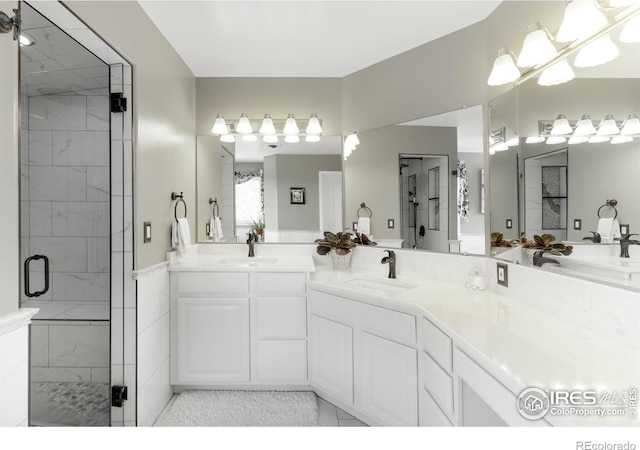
{"points": [[220, 126], [504, 69], [314, 127], [608, 127], [312, 138], [558, 73], [350, 144], [582, 18], [267, 125], [584, 127], [228, 138], [631, 125], [621, 139], [561, 126], [631, 31], [291, 127], [537, 47], [600, 51], [244, 126]]}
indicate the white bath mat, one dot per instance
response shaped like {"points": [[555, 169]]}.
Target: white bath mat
{"points": [[241, 409]]}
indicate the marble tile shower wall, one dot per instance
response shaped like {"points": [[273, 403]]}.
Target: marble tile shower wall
{"points": [[66, 184]]}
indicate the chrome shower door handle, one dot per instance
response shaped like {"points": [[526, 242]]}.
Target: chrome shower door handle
{"points": [[27, 288]]}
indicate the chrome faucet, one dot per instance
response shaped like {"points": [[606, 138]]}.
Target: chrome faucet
{"points": [[391, 260], [253, 237], [596, 238], [625, 242]]}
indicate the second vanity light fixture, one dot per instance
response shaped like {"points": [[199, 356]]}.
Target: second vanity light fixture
{"points": [[350, 144], [582, 131], [584, 29], [270, 129]]}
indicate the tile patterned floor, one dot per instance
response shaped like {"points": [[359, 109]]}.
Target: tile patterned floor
{"points": [[332, 416]]}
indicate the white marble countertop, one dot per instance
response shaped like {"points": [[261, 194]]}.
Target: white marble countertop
{"points": [[235, 263], [519, 345]]}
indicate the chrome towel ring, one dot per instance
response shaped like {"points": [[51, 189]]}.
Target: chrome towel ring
{"points": [[365, 208], [609, 204], [179, 198]]}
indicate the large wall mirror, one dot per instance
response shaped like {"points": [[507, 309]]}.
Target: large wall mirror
{"points": [[287, 192], [560, 185], [422, 183]]}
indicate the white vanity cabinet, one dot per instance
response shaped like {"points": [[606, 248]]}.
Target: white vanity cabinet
{"points": [[238, 328], [365, 357]]}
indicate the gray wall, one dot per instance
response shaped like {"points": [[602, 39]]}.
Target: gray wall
{"points": [[9, 123], [164, 125], [475, 162], [371, 173], [297, 171], [209, 173], [504, 193]]}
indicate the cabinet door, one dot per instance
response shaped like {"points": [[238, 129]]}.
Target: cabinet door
{"points": [[212, 340], [331, 348], [388, 381]]}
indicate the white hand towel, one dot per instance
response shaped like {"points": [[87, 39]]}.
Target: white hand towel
{"points": [[364, 225], [219, 232], [215, 229], [605, 230], [181, 236], [616, 229]]}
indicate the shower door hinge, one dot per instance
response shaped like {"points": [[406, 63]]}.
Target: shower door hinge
{"points": [[118, 395], [118, 102]]}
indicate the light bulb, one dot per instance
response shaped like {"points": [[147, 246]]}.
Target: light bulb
{"points": [[582, 18], [558, 73], [504, 69], [292, 139], [621, 139], [227, 138], [270, 139], [631, 126], [584, 127], [267, 125], [314, 127], [607, 127], [244, 126], [561, 126], [536, 48], [312, 138], [600, 51], [552, 140], [291, 127], [220, 126]]}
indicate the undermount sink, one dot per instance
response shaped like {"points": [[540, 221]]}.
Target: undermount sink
{"points": [[389, 285]]}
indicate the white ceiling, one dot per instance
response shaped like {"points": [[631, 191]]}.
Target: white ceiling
{"points": [[303, 38]]}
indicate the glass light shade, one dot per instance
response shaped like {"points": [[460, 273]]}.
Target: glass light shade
{"points": [[270, 139], [227, 138], [598, 139], [559, 73], [26, 40], [631, 126], [534, 140], [312, 138], [504, 69], [582, 18], [608, 127], [552, 140], [561, 126], [267, 125], [621, 139], [249, 138], [631, 31], [244, 126], [513, 142], [220, 126], [536, 49], [292, 139], [584, 127], [600, 51], [314, 127], [347, 152], [291, 127], [352, 141], [573, 140]]}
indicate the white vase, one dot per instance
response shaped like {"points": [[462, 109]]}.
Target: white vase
{"points": [[340, 261]]}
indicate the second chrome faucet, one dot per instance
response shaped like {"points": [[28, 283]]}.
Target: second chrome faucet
{"points": [[391, 260]]}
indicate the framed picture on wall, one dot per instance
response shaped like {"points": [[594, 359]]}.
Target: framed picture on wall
{"points": [[297, 195]]}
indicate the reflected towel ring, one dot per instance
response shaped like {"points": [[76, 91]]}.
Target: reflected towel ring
{"points": [[180, 198], [365, 207], [609, 204], [215, 209]]}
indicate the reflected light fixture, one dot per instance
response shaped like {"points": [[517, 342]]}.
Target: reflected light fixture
{"points": [[535, 139], [582, 18], [228, 138], [291, 127], [292, 139], [504, 69], [607, 127], [552, 140], [600, 51], [584, 127], [573, 140], [561, 126], [267, 125], [314, 127], [244, 126], [350, 144], [537, 47], [598, 139], [631, 31], [312, 138], [631, 125], [220, 126], [558, 73], [621, 139], [270, 139]]}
